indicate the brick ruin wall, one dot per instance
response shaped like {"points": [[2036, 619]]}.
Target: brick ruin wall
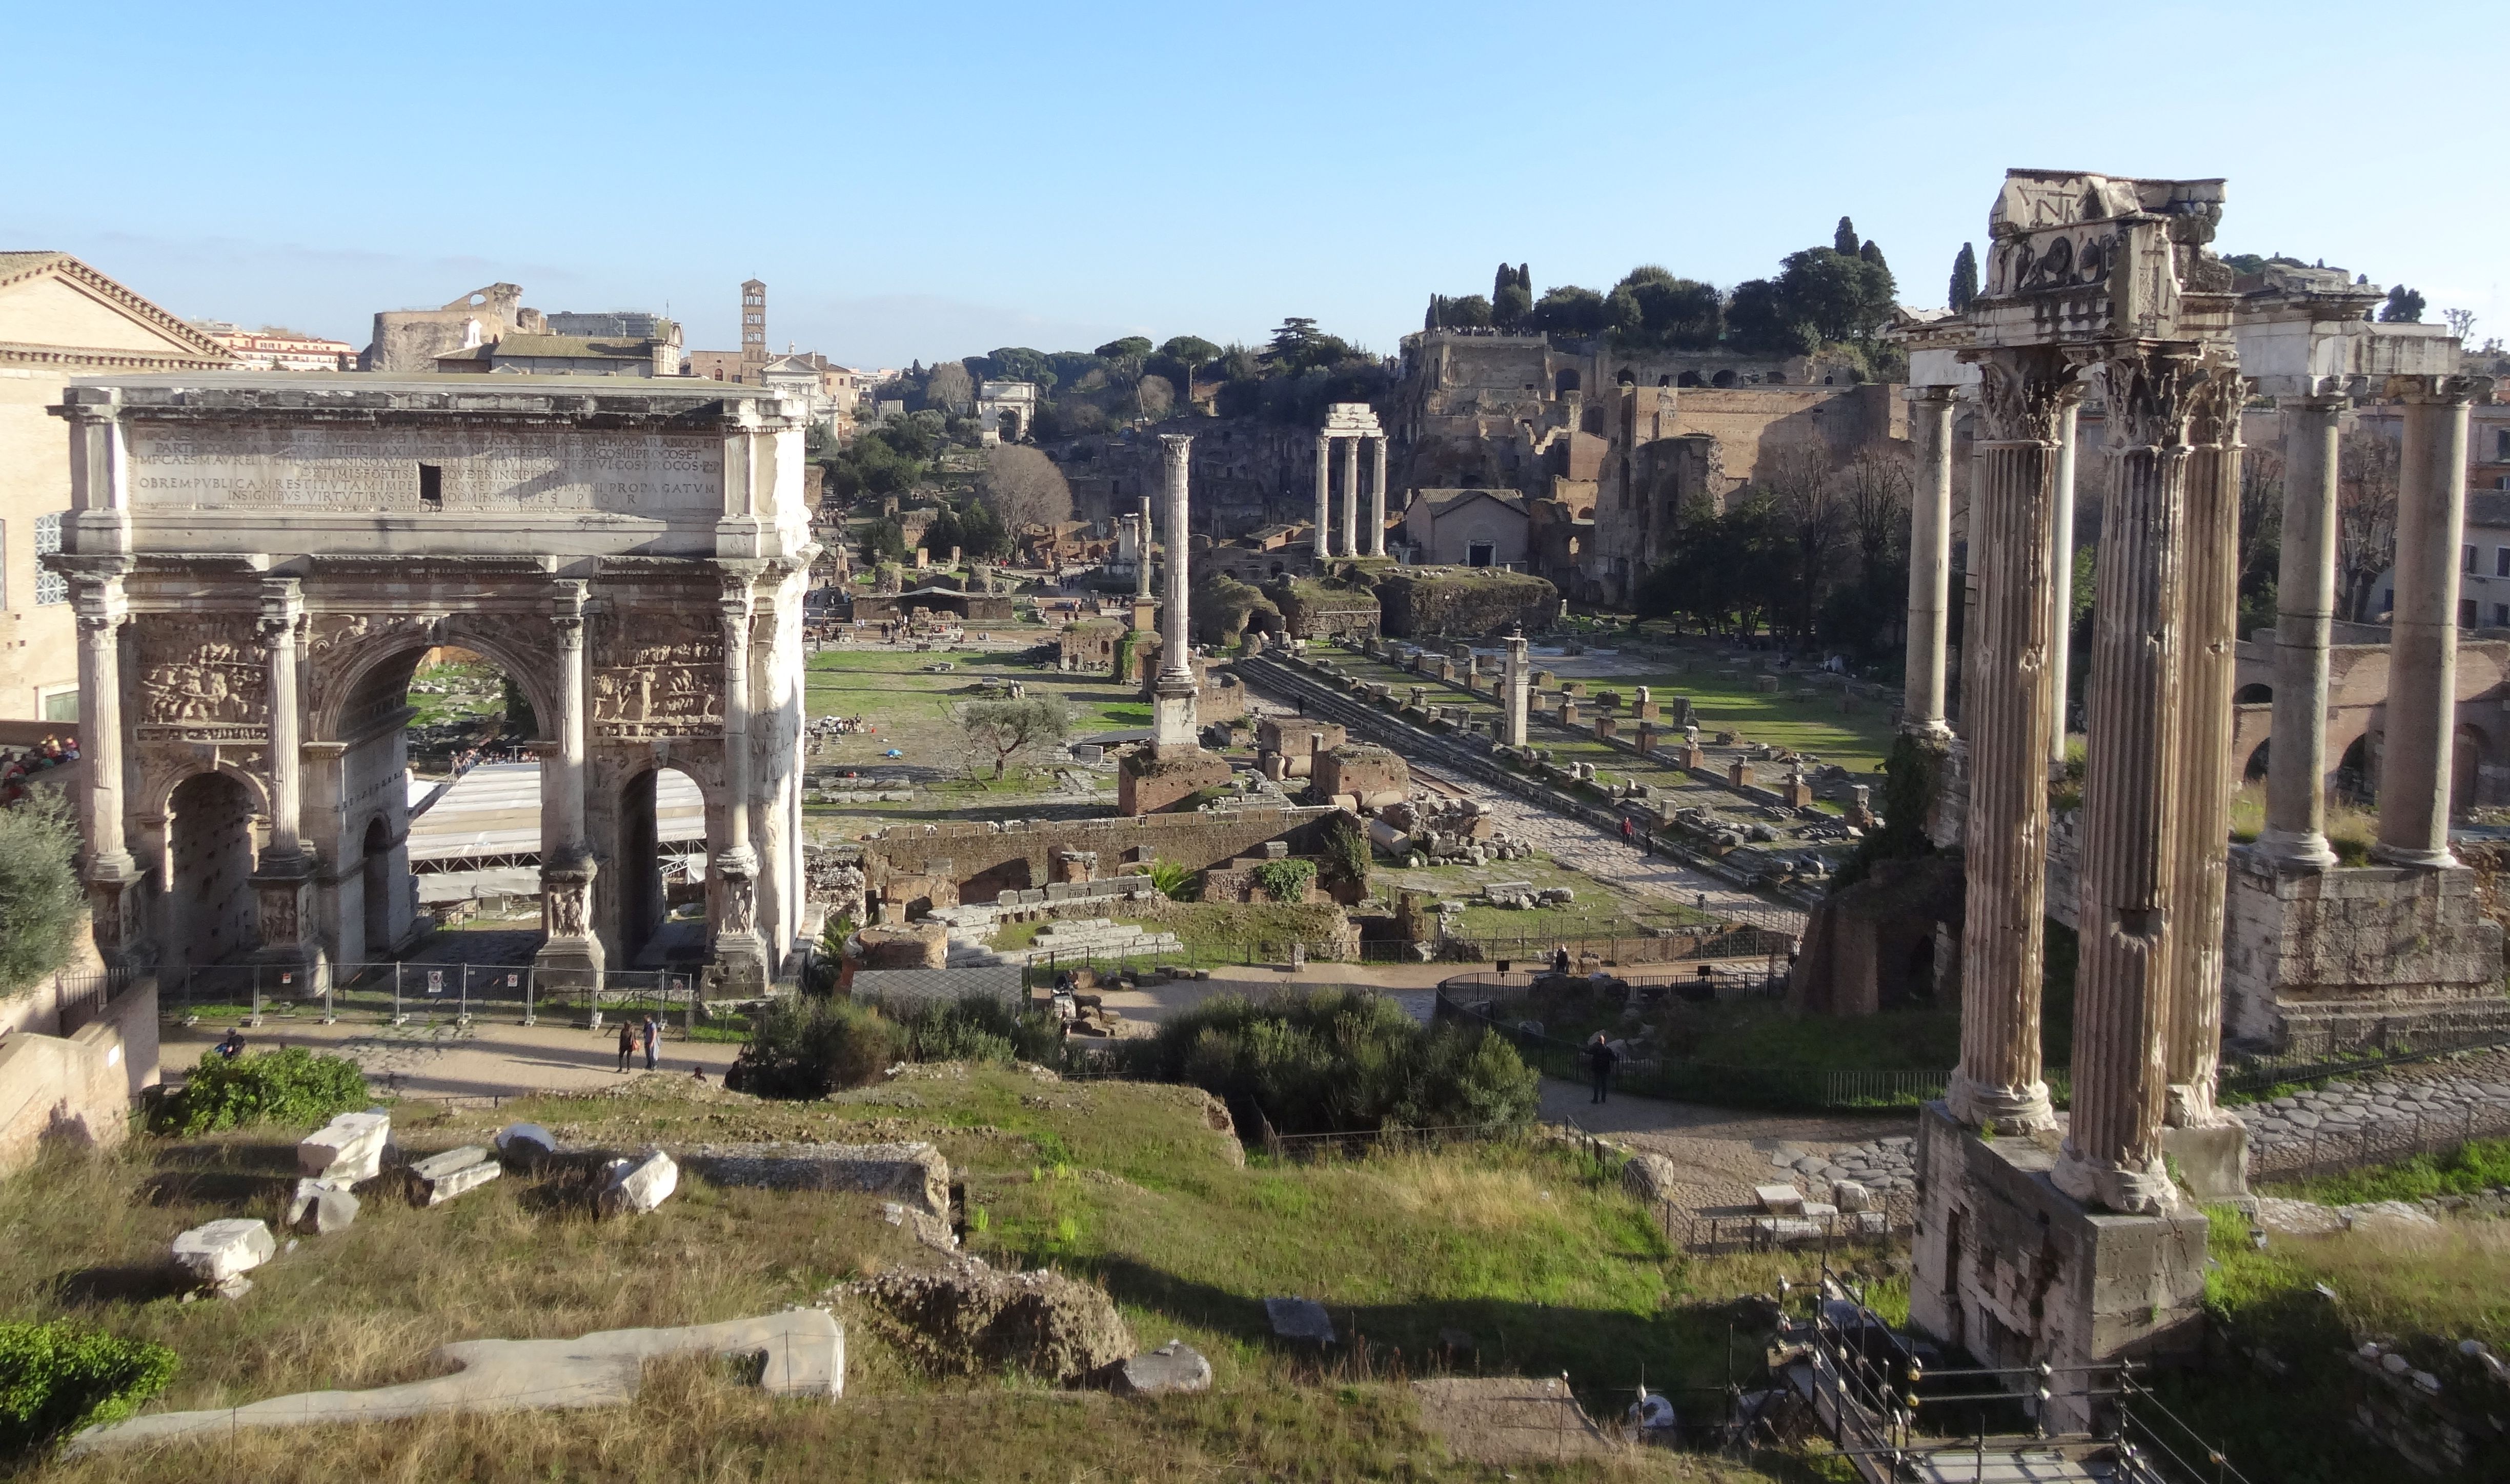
{"points": [[986, 861]]}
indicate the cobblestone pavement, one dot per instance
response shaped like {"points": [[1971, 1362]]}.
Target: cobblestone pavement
{"points": [[2390, 1108]]}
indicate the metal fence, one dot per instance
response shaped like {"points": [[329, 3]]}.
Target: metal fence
{"points": [[2387, 1046], [2329, 1151], [398, 993]]}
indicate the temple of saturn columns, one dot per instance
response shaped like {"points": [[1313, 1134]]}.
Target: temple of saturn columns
{"points": [[1175, 766], [1347, 424], [259, 561], [2060, 1237]]}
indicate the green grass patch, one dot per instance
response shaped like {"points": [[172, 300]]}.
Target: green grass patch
{"points": [[2465, 1170]]}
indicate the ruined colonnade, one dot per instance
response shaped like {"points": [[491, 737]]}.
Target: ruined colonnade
{"points": [[1347, 425]]}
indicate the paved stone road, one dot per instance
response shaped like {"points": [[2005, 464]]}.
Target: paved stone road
{"points": [[1599, 853], [2389, 1109], [1719, 1154]]}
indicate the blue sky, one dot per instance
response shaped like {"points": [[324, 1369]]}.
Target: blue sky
{"points": [[921, 181]]}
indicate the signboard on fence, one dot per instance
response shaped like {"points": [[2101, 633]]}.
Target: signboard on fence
{"points": [[436, 981]]}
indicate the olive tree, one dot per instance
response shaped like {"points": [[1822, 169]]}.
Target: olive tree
{"points": [[1003, 732], [40, 904]]}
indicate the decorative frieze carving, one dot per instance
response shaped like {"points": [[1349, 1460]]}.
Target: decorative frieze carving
{"points": [[202, 680], [656, 674]]}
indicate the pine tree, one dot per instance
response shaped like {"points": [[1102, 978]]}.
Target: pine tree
{"points": [[1843, 240], [1964, 287]]}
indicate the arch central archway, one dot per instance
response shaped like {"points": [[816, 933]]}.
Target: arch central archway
{"points": [[211, 847], [664, 864]]}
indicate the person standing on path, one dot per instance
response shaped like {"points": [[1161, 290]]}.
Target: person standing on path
{"points": [[1629, 832], [626, 1043], [1599, 1054], [653, 1036]]}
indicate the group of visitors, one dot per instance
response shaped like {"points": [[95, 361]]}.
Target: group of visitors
{"points": [[27, 767], [631, 1033]]}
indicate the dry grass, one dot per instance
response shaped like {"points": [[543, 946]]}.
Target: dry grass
{"points": [[1547, 1268], [2351, 831]]}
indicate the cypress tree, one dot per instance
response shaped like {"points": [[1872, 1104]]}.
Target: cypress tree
{"points": [[1843, 240], [1964, 285]]}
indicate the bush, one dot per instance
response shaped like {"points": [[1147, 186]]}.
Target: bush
{"points": [[287, 1086], [1285, 880], [807, 1046], [1175, 882], [1339, 1062], [60, 1377], [40, 904], [1346, 855]]}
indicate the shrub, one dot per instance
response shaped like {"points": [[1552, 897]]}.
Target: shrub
{"points": [[40, 904], [287, 1086], [60, 1376], [1341, 1060], [1175, 882], [807, 1046], [1285, 880], [1346, 855]]}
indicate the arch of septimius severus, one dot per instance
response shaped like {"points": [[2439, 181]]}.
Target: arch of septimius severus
{"points": [[258, 562]]}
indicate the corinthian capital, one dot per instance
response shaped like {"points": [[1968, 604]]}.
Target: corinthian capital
{"points": [[2214, 400], [2448, 391], [2153, 394], [2022, 393]]}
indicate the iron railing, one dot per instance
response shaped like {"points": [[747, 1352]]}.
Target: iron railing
{"points": [[398, 992]]}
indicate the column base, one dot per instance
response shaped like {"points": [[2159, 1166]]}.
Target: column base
{"points": [[2304, 849], [1172, 713], [567, 965], [740, 967], [2007, 1110], [2209, 1147], [2114, 1187], [2016, 1272], [2414, 859]]}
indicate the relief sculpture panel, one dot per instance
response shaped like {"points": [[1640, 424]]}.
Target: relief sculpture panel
{"points": [[202, 679], [656, 674]]}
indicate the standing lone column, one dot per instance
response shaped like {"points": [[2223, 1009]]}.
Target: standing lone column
{"points": [[281, 607], [1351, 497], [2295, 832], [1377, 502], [2414, 767], [111, 873], [1513, 685], [2061, 573], [1173, 695], [2006, 710], [2131, 829], [1324, 495], [2208, 673], [1930, 562], [1142, 566]]}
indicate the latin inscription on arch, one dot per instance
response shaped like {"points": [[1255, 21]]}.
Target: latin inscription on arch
{"points": [[484, 471]]}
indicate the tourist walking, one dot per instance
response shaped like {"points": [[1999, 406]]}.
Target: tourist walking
{"points": [[1601, 1056], [653, 1036], [626, 1043], [1630, 833]]}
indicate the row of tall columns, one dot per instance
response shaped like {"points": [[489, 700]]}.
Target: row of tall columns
{"points": [[2416, 768], [1351, 542], [2007, 717], [1172, 695]]}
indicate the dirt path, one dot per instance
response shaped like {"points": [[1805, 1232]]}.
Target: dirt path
{"points": [[1719, 1153]]}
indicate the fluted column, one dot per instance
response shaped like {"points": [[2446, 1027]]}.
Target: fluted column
{"points": [[2060, 575], [2415, 764], [1324, 495], [2006, 715], [1173, 696], [1930, 562], [2132, 793], [1351, 497], [2208, 666], [1142, 567], [1376, 500], [110, 872], [2295, 832]]}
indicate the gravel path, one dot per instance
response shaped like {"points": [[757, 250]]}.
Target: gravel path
{"points": [[1719, 1154]]}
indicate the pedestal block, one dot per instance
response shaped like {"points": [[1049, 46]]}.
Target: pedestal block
{"points": [[1147, 783], [2015, 1271]]}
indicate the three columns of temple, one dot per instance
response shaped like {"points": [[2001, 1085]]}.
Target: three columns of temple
{"points": [[2157, 779], [1352, 545]]}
